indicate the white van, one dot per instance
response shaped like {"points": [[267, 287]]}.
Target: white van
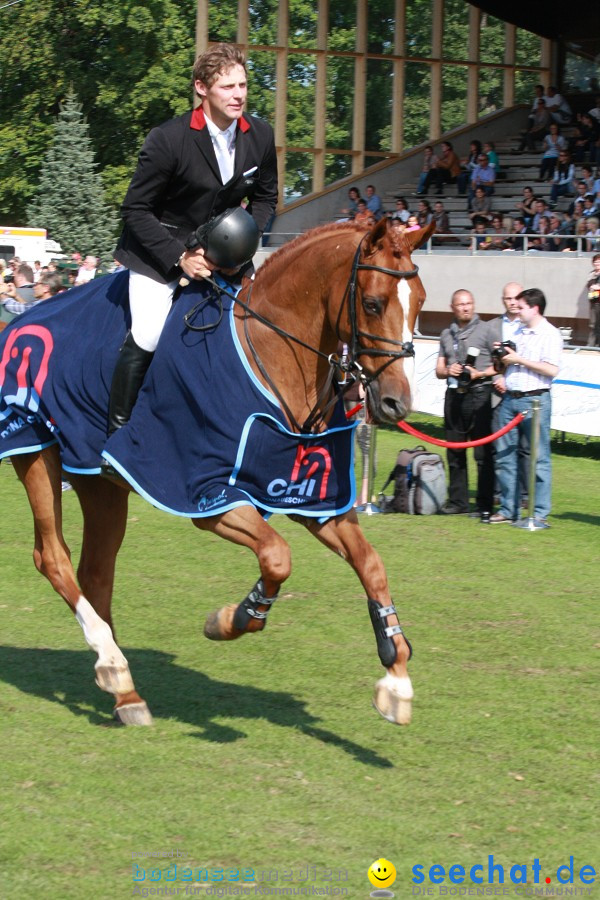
{"points": [[29, 244]]}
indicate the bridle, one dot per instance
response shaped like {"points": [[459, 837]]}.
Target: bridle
{"points": [[349, 366]]}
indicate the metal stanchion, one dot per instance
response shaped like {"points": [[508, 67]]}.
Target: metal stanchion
{"points": [[529, 521], [369, 507]]}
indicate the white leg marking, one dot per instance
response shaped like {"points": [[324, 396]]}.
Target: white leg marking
{"points": [[98, 634]]}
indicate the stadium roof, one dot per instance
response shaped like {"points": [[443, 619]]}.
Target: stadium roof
{"points": [[577, 24]]}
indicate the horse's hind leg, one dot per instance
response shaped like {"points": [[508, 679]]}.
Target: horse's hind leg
{"points": [[393, 693], [246, 526], [40, 474]]}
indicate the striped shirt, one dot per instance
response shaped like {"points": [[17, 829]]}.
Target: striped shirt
{"points": [[540, 344]]}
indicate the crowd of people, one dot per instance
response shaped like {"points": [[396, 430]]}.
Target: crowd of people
{"points": [[23, 284]]}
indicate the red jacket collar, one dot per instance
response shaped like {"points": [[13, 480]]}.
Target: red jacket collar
{"points": [[198, 121]]}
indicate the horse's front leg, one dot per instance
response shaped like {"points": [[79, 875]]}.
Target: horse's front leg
{"points": [[245, 526], [394, 692], [40, 474]]}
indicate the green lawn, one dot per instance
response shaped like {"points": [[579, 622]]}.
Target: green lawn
{"points": [[266, 753]]}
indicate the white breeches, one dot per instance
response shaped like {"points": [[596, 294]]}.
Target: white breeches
{"points": [[150, 302]]}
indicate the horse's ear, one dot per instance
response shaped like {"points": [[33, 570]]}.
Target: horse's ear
{"points": [[416, 239], [375, 236]]}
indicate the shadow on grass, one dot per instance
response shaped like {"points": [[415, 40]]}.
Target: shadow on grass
{"points": [[578, 517], [66, 677]]}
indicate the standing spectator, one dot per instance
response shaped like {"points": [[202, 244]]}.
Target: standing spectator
{"points": [[20, 292], [593, 292], [47, 285], [374, 204], [87, 270], [552, 145], [528, 372], [467, 405], [445, 171], [563, 180], [429, 160], [190, 169]]}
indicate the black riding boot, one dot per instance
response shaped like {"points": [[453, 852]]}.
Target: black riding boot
{"points": [[128, 376]]}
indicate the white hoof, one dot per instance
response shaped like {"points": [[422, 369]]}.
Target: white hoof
{"points": [[393, 699], [114, 679], [133, 714]]}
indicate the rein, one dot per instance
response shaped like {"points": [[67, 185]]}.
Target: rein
{"points": [[349, 367]]}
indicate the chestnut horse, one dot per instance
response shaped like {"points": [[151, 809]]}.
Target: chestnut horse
{"points": [[333, 283]]}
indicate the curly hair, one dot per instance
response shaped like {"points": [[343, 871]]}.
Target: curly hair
{"points": [[215, 60]]}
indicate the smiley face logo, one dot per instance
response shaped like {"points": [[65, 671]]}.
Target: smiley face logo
{"points": [[382, 873]]}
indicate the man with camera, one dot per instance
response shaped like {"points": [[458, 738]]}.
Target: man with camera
{"points": [[528, 371], [190, 170], [465, 363]]}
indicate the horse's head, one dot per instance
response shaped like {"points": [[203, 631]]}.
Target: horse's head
{"points": [[388, 297]]}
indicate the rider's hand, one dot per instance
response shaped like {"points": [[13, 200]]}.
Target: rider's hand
{"points": [[195, 265]]}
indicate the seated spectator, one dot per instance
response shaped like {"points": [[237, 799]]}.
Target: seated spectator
{"points": [[489, 148], [557, 106], [412, 224], [429, 161], [402, 211], [539, 94], [445, 171], [563, 180], [483, 176], [589, 206], [541, 241], [541, 209], [584, 141], [440, 217], [538, 128], [508, 224], [559, 242], [497, 239], [352, 208], [363, 216], [552, 145], [468, 165], [481, 205], [587, 175], [526, 206], [424, 213], [397, 224], [595, 112], [479, 231], [517, 242], [580, 193], [374, 204], [593, 234]]}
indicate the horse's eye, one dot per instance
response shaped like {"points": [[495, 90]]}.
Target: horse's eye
{"points": [[372, 306]]}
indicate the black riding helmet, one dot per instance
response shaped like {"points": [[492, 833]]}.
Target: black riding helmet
{"points": [[229, 240]]}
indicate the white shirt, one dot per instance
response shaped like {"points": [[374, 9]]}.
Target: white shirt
{"points": [[224, 144], [540, 344]]}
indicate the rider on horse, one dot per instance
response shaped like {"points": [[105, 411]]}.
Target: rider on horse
{"points": [[190, 169]]}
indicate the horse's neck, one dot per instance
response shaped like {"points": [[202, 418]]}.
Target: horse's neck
{"points": [[294, 293]]}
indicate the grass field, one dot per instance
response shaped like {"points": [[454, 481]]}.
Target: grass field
{"points": [[266, 753]]}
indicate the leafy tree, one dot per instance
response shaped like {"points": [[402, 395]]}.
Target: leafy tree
{"points": [[70, 200]]}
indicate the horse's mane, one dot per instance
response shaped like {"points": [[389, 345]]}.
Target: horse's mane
{"points": [[282, 253]]}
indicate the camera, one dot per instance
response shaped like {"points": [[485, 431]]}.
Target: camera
{"points": [[463, 382], [499, 352]]}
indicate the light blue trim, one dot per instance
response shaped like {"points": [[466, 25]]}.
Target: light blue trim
{"points": [[23, 450], [299, 511], [174, 512], [583, 384], [95, 471], [244, 361]]}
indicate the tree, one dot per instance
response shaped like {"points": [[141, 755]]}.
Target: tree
{"points": [[70, 201]]}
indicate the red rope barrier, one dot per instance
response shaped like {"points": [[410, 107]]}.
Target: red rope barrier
{"points": [[461, 445]]}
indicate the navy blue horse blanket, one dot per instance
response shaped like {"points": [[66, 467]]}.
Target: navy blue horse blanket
{"points": [[205, 435]]}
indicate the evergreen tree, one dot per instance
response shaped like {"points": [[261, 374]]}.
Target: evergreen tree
{"points": [[69, 202]]}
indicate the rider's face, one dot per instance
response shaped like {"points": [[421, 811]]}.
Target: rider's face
{"points": [[224, 100]]}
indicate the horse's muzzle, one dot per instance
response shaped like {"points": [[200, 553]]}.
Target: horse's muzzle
{"points": [[386, 408]]}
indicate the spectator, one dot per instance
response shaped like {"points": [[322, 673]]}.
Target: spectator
{"points": [[595, 112], [580, 192], [479, 231], [374, 204], [557, 106], [402, 211], [424, 213], [563, 180], [526, 206], [541, 241], [593, 234], [519, 230], [483, 176], [552, 145], [593, 293], [467, 405], [413, 223], [353, 198], [541, 209], [445, 170], [47, 285], [20, 295], [440, 217], [589, 206], [87, 270], [585, 138], [429, 161], [538, 128], [558, 241], [489, 148], [468, 165], [528, 372], [497, 238], [539, 92], [364, 217], [587, 175], [481, 205]]}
